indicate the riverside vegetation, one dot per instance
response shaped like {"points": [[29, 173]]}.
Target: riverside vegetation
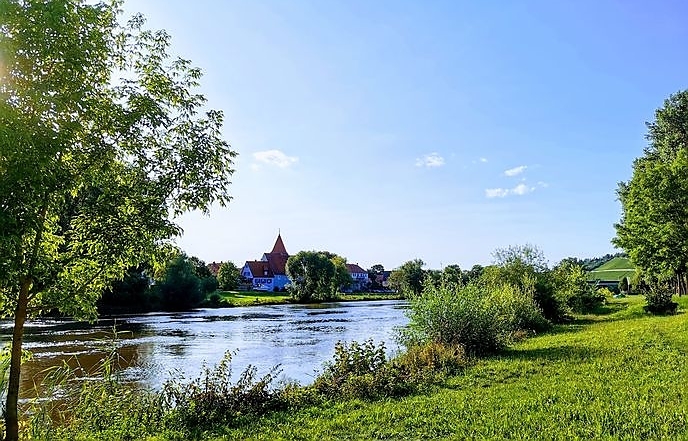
{"points": [[481, 360]]}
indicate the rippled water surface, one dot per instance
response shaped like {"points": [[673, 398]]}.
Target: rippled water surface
{"points": [[298, 337]]}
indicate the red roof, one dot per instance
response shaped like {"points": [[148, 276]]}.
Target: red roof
{"points": [[279, 246], [354, 268], [259, 268], [277, 262]]}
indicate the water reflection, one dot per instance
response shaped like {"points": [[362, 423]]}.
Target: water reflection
{"points": [[297, 337]]}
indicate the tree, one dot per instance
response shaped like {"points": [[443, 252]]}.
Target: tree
{"points": [[312, 275], [342, 278], [228, 276], [654, 203], [374, 272], [181, 289], [525, 267], [200, 269], [453, 274], [408, 278], [103, 143]]}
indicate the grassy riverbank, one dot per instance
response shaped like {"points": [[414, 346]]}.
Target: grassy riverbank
{"points": [[614, 375], [249, 298]]}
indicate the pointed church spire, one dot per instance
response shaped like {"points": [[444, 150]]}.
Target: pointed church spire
{"points": [[279, 246]]}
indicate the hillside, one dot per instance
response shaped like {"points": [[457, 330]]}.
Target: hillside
{"points": [[614, 270]]}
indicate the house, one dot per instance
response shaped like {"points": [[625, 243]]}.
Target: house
{"points": [[359, 277], [268, 273]]}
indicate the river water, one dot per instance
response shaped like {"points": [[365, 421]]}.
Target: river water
{"points": [[153, 347]]}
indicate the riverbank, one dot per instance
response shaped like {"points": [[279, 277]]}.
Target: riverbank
{"points": [[249, 298], [617, 374]]}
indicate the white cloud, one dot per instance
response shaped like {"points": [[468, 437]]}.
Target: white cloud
{"points": [[276, 158], [431, 160], [519, 190], [483, 159], [496, 192], [516, 170]]}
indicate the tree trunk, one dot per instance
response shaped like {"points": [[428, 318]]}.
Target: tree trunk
{"points": [[12, 421]]}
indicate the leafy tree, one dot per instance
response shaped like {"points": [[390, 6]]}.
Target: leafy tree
{"points": [[572, 287], [342, 277], [373, 273], [181, 289], [525, 267], [474, 274], [312, 275], [103, 143], [131, 294], [228, 276], [653, 228], [408, 278], [208, 280], [453, 274]]}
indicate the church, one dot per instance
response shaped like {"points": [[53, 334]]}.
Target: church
{"points": [[268, 273]]}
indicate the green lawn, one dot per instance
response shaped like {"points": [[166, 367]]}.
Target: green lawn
{"points": [[616, 375], [247, 298]]}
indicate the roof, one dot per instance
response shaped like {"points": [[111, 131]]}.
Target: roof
{"points": [[258, 268], [279, 246], [277, 262], [354, 268]]}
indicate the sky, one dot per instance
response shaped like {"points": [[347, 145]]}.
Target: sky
{"points": [[392, 130]]}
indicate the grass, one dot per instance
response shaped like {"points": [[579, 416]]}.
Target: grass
{"points": [[616, 374], [249, 298], [369, 296], [615, 269]]}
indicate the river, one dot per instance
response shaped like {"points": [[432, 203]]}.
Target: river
{"points": [[153, 347]]}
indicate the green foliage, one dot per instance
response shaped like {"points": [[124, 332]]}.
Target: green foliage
{"points": [[180, 289], [104, 143], [654, 202], [480, 318], [525, 267], [313, 276], [572, 287], [362, 370], [408, 278], [659, 300], [228, 276], [213, 398], [131, 294], [616, 378]]}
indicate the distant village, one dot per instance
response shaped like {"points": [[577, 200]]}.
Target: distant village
{"points": [[269, 273]]}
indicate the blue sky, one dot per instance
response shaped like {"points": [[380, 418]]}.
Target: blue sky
{"points": [[391, 130]]}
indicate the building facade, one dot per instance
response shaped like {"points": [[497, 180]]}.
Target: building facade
{"points": [[268, 273]]}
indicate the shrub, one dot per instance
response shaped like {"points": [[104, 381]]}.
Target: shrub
{"points": [[481, 318], [431, 361], [212, 398], [659, 301]]}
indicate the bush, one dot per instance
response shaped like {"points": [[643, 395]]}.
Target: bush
{"points": [[212, 399], [479, 317], [659, 301]]}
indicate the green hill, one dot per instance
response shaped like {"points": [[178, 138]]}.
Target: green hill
{"points": [[614, 270]]}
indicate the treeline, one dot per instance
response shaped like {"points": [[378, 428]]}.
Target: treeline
{"points": [[171, 282]]}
